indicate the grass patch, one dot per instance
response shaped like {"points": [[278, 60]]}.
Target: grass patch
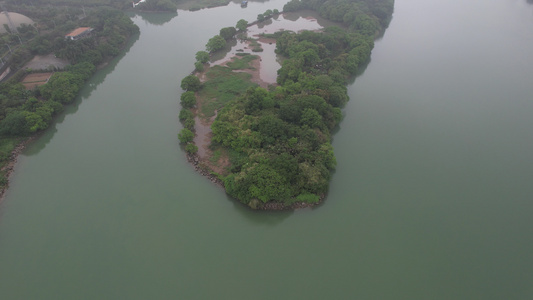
{"points": [[222, 85], [216, 156], [242, 63], [256, 46]]}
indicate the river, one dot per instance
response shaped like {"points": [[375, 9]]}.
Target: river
{"points": [[431, 198]]}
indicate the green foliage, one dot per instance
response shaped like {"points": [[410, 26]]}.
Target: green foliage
{"points": [[111, 30], [260, 17], [308, 198], [189, 124], [279, 141], [242, 63], [191, 83], [222, 86], [242, 25], [191, 148], [185, 136], [198, 66], [258, 181], [215, 43], [15, 124], [228, 32], [366, 16], [188, 99], [202, 56], [186, 114]]}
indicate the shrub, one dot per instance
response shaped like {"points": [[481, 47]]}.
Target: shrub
{"points": [[199, 66], [191, 83], [185, 136], [186, 114], [188, 100], [191, 148]]}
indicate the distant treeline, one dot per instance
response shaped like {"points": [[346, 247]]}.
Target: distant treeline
{"points": [[119, 4], [150, 5]]}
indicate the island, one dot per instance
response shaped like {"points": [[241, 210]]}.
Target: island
{"points": [[269, 145]]}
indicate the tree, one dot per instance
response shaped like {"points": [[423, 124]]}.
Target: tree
{"points": [[191, 83], [198, 66], [215, 43], [260, 17], [202, 56], [242, 25], [191, 148], [185, 136], [186, 114], [311, 118], [14, 124], [228, 32], [188, 100]]}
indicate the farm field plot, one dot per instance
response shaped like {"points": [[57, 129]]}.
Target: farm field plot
{"points": [[36, 79]]}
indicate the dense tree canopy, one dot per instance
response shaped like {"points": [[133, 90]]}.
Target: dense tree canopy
{"points": [[242, 25], [215, 43], [279, 140], [191, 83], [228, 32]]}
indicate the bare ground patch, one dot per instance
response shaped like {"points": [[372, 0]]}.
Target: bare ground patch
{"points": [[217, 160], [43, 62], [36, 79]]}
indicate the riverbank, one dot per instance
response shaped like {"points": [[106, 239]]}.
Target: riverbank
{"points": [[8, 168], [202, 169], [10, 150]]}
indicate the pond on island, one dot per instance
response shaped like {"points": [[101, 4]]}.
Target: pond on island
{"points": [[431, 198], [269, 61]]}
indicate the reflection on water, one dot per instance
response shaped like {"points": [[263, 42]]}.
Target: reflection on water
{"points": [[158, 18], [255, 217], [287, 22]]}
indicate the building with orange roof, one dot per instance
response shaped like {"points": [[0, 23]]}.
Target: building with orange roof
{"points": [[79, 33]]}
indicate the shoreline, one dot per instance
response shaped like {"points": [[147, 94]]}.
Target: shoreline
{"points": [[12, 161], [195, 162], [202, 165]]}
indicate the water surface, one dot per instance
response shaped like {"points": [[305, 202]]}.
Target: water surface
{"points": [[431, 198]]}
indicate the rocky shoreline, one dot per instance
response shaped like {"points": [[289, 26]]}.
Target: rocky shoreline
{"points": [[12, 161]]}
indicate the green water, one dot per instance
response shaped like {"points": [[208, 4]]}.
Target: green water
{"points": [[431, 198]]}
